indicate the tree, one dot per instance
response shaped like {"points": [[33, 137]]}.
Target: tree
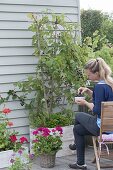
{"points": [[107, 27], [92, 20]]}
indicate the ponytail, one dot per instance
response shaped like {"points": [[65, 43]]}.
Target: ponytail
{"points": [[100, 66]]}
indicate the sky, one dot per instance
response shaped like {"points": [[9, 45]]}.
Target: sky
{"points": [[103, 5]]}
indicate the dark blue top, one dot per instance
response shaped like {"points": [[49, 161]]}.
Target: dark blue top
{"points": [[101, 92]]}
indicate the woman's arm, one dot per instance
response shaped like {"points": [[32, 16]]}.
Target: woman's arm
{"points": [[89, 105], [84, 102]]}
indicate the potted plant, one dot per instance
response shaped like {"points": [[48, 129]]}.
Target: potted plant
{"points": [[8, 139], [58, 73], [58, 119], [46, 144]]}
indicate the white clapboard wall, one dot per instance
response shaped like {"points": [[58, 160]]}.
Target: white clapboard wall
{"points": [[16, 52]]}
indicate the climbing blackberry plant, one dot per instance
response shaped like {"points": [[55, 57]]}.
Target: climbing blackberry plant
{"points": [[59, 67], [58, 71]]}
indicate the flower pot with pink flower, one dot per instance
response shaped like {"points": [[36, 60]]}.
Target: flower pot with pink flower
{"points": [[47, 142]]}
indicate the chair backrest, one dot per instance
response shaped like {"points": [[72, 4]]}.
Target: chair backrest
{"points": [[104, 146], [106, 117]]}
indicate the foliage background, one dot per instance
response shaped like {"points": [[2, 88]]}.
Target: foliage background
{"points": [[92, 20]]}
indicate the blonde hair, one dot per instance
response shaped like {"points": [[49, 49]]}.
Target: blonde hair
{"points": [[100, 66]]}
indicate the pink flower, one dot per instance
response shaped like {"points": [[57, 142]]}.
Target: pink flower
{"points": [[46, 130], [53, 130], [31, 156], [47, 140], [58, 128], [23, 139], [6, 110], [40, 129], [45, 134], [13, 138], [35, 132], [10, 123], [20, 151], [12, 161]]}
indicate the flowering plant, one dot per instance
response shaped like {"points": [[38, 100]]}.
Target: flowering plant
{"points": [[8, 138], [47, 140], [21, 160]]}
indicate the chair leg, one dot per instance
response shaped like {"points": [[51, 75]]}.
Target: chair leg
{"points": [[96, 153]]}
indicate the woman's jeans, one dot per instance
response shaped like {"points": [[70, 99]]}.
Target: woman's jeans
{"points": [[85, 124]]}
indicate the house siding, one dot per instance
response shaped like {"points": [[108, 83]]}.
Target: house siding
{"points": [[16, 52]]}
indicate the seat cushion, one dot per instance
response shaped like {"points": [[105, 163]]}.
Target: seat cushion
{"points": [[107, 137]]}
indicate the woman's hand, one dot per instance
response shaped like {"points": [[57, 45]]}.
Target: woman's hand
{"points": [[83, 102], [86, 90]]}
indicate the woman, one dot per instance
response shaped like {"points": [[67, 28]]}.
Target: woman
{"points": [[97, 71]]}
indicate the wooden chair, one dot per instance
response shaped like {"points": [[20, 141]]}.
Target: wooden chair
{"points": [[102, 143]]}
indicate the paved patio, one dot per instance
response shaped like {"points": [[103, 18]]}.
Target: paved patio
{"points": [[62, 162]]}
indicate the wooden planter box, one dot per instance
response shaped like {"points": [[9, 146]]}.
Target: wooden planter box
{"points": [[5, 157]]}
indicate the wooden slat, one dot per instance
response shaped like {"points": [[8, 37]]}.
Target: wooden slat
{"points": [[18, 60], [19, 93], [23, 17], [107, 128], [13, 78], [37, 8], [107, 121], [17, 69], [107, 103], [14, 25], [18, 114], [12, 105], [108, 108], [108, 114], [16, 51], [15, 34], [40, 2], [15, 42], [20, 122], [22, 130]]}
